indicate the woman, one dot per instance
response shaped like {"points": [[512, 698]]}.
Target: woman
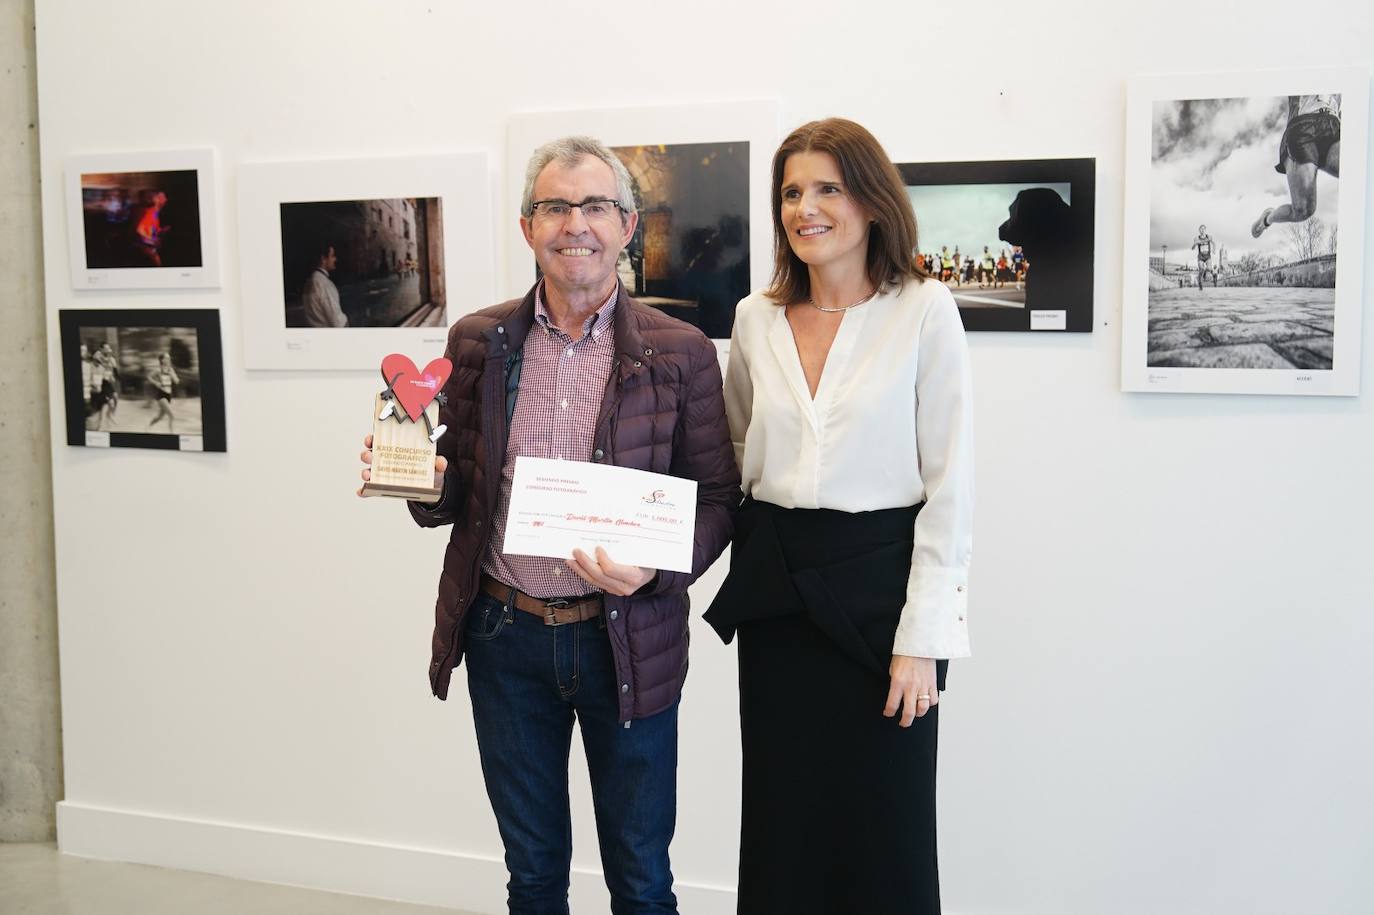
{"points": [[163, 380], [848, 400]]}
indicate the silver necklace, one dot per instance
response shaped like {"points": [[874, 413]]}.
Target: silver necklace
{"points": [[842, 307]]}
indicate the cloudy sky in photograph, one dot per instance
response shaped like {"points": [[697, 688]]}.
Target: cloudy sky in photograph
{"points": [[1213, 164], [967, 215]]}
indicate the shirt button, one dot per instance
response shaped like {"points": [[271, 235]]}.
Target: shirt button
{"points": [[568, 351], [598, 454], [960, 589], [615, 614], [624, 687], [479, 523], [557, 571], [500, 330]]}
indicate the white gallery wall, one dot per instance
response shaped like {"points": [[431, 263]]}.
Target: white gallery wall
{"points": [[1168, 707]]}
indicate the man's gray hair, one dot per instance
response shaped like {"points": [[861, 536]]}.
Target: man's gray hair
{"points": [[568, 151]]}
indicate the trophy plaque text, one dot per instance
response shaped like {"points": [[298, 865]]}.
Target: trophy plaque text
{"points": [[405, 430]]}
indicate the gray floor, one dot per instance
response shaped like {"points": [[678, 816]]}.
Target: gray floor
{"points": [[36, 880]]}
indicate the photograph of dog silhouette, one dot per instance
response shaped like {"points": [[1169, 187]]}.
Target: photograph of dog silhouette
{"points": [[1042, 225], [1012, 239]]}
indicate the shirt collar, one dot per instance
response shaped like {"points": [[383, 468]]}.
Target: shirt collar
{"points": [[595, 326]]}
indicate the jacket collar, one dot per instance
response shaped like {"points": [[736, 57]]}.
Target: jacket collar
{"points": [[508, 335], [629, 345]]}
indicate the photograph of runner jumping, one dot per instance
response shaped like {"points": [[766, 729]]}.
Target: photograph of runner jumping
{"points": [[1244, 236], [1228, 290]]}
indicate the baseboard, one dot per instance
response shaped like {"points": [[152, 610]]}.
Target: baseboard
{"points": [[419, 875]]}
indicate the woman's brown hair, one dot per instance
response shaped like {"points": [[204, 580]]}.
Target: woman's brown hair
{"points": [[873, 182]]}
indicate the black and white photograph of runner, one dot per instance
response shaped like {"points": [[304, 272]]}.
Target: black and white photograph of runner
{"points": [[1244, 232], [152, 372], [150, 378]]}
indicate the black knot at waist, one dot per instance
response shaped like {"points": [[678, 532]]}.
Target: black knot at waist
{"points": [[847, 571], [817, 537]]}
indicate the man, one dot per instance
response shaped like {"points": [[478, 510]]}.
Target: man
{"points": [[149, 230], [1203, 244], [87, 373], [319, 296], [1311, 142], [104, 387], [576, 370]]}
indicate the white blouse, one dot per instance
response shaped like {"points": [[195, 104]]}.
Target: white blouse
{"points": [[890, 427]]}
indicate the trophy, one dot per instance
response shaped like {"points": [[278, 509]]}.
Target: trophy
{"points": [[405, 428]]}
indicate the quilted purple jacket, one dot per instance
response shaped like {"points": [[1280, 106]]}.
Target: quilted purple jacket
{"points": [[663, 411]]}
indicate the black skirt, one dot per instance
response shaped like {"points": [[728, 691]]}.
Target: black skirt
{"points": [[838, 801]]}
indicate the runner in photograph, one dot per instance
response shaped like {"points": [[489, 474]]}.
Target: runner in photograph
{"points": [[1203, 244], [1234, 294], [987, 270], [1311, 143], [104, 388], [162, 382]]}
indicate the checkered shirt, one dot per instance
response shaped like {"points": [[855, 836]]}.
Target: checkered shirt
{"points": [[561, 384]]}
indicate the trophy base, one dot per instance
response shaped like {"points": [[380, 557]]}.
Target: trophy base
{"points": [[413, 493], [403, 457]]}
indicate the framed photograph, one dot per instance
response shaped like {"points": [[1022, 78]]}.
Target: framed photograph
{"points": [[1245, 211], [1012, 239], [143, 220], [344, 261], [145, 378], [700, 175]]}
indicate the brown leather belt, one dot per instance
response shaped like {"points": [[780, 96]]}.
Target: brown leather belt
{"points": [[557, 611]]}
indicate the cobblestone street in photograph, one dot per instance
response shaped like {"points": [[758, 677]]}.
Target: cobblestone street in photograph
{"points": [[1262, 327]]}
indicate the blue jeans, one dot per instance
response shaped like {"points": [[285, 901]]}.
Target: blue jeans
{"points": [[528, 683]]}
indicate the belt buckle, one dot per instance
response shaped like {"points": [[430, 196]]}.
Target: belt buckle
{"points": [[549, 607]]}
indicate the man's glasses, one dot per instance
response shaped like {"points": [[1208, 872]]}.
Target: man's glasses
{"points": [[594, 209]]}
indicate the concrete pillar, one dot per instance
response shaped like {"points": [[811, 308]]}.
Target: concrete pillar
{"points": [[30, 720]]}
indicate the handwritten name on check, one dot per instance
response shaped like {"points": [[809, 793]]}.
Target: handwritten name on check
{"points": [[641, 518]]}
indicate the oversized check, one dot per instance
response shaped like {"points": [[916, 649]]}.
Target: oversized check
{"points": [[641, 518]]}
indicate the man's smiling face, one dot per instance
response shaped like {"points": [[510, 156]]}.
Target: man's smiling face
{"points": [[573, 252]]}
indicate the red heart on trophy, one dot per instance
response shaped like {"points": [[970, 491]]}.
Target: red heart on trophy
{"points": [[413, 388]]}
